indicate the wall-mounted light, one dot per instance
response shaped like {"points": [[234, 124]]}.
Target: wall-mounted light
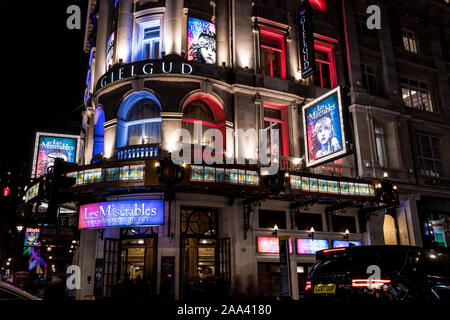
{"points": [[19, 228], [275, 230], [311, 233], [346, 234], [385, 175]]}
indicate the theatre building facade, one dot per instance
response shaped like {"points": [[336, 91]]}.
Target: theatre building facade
{"points": [[345, 169]]}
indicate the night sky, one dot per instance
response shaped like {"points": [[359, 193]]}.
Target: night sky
{"points": [[44, 71]]}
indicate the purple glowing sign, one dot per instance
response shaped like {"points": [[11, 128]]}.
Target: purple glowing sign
{"points": [[310, 246], [121, 214]]}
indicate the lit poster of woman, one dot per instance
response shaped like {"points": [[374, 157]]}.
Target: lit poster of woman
{"points": [[324, 130], [201, 41]]}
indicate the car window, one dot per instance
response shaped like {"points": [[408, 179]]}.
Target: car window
{"points": [[446, 258], [6, 295], [431, 264]]}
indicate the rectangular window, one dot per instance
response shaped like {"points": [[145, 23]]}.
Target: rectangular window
{"points": [[151, 43], [273, 60], [410, 42], [416, 94], [275, 118], [325, 71], [269, 218], [369, 78], [342, 223], [381, 146], [306, 221], [430, 155]]}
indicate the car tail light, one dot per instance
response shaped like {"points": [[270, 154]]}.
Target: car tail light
{"points": [[333, 250], [367, 283], [308, 286]]}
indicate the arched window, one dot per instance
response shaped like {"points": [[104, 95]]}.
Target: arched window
{"points": [[99, 131], [144, 123], [202, 112], [139, 120], [197, 118]]}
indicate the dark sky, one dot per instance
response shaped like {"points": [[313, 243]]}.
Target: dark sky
{"points": [[43, 73]]}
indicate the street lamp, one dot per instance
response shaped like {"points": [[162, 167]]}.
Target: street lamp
{"points": [[19, 228]]}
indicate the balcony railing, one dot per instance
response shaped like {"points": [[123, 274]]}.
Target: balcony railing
{"points": [[139, 152]]}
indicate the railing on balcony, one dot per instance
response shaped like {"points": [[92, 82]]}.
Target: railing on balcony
{"points": [[138, 152]]}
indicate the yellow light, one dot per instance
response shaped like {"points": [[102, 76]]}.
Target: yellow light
{"points": [[156, 164], [385, 175], [286, 174]]}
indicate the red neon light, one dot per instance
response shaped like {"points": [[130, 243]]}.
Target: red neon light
{"points": [[320, 5], [375, 283], [6, 191], [333, 250], [308, 286]]}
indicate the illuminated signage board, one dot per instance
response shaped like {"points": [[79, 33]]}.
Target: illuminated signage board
{"points": [[146, 67], [32, 237], [306, 40], [110, 51], [32, 192], [124, 213], [201, 41], [323, 126], [310, 246], [49, 146], [271, 245], [345, 243]]}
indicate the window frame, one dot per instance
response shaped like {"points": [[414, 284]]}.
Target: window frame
{"points": [[326, 45], [142, 20], [409, 38], [283, 122], [382, 135], [366, 74], [406, 85], [432, 159], [280, 36]]}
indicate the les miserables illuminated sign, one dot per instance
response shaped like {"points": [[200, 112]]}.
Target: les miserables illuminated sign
{"points": [[124, 213]]}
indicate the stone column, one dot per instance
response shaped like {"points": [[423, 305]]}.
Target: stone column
{"points": [[102, 37], [86, 262], [374, 227], [390, 77], [124, 31], [222, 28], [351, 43], [439, 61], [173, 27]]}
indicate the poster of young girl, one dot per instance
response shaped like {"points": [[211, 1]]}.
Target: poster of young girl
{"points": [[201, 41], [324, 129]]}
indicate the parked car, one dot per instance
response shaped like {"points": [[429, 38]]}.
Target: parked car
{"points": [[407, 273], [10, 292]]}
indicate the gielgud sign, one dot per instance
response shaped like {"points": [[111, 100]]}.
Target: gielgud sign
{"points": [[121, 214], [147, 67]]}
